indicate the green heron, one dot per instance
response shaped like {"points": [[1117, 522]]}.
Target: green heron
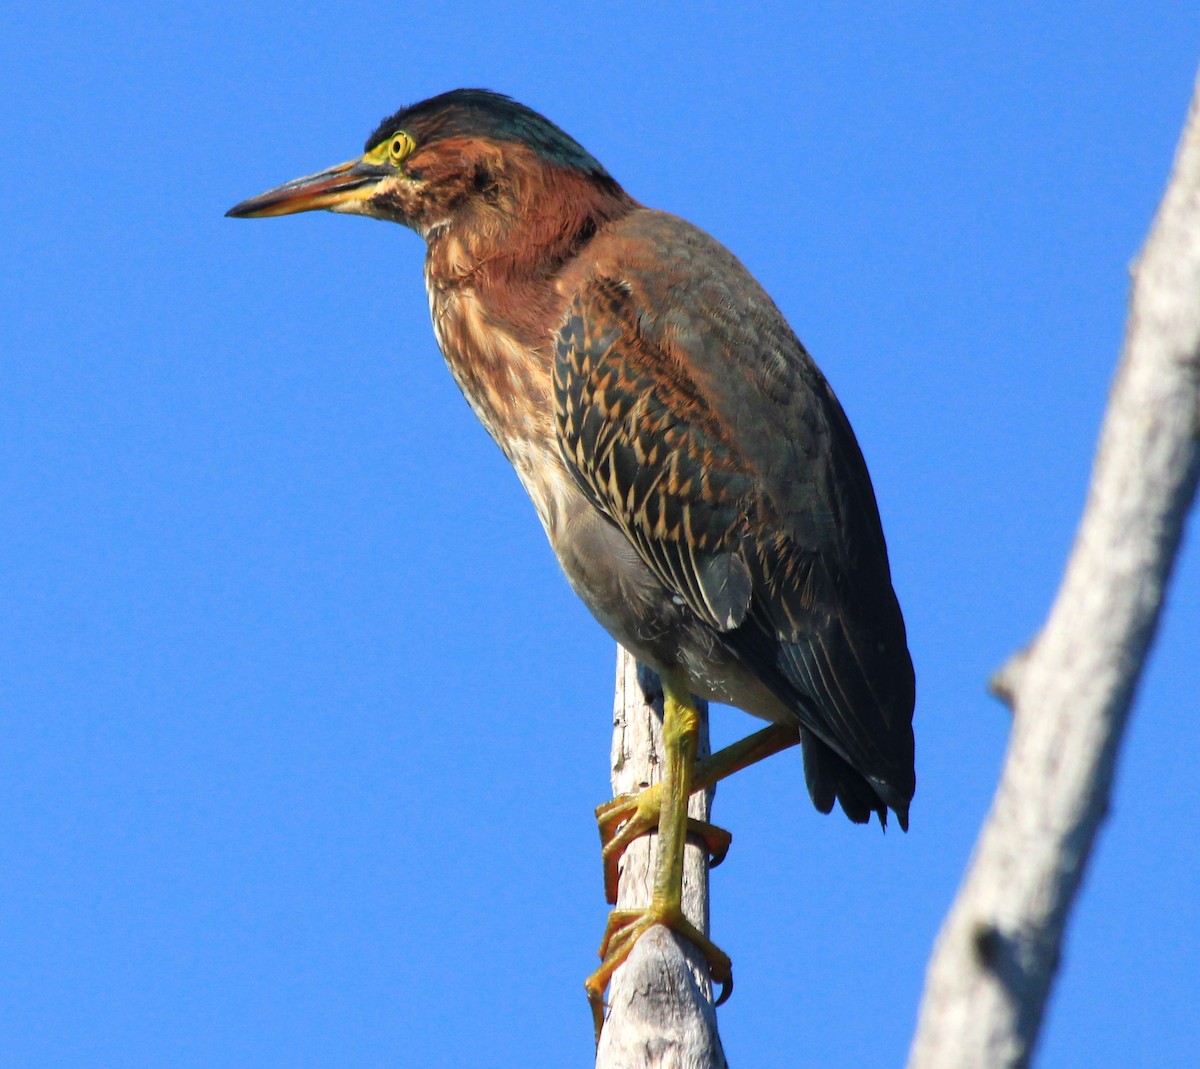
{"points": [[695, 474]]}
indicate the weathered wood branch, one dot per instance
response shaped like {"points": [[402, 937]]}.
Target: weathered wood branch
{"points": [[1071, 690], [660, 1001]]}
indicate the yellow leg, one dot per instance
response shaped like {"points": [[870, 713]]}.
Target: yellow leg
{"points": [[681, 727], [624, 819]]}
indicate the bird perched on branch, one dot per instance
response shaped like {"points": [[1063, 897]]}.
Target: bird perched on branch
{"points": [[696, 476]]}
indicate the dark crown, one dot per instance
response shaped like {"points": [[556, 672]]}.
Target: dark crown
{"points": [[481, 113]]}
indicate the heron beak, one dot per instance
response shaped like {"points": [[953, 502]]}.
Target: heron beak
{"points": [[339, 189]]}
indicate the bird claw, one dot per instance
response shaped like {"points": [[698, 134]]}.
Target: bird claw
{"points": [[624, 819], [626, 926]]}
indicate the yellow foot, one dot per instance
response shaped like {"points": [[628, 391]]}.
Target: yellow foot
{"points": [[626, 818], [626, 927]]}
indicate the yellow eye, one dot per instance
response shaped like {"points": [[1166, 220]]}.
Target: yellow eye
{"points": [[400, 146]]}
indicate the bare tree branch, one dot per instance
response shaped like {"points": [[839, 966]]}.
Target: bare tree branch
{"points": [[1071, 690], [660, 1001]]}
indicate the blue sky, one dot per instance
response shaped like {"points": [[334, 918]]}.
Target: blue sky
{"points": [[300, 727]]}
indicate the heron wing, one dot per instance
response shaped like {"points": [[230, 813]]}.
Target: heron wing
{"points": [[695, 420]]}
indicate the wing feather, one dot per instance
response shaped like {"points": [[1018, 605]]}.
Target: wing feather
{"points": [[713, 442]]}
